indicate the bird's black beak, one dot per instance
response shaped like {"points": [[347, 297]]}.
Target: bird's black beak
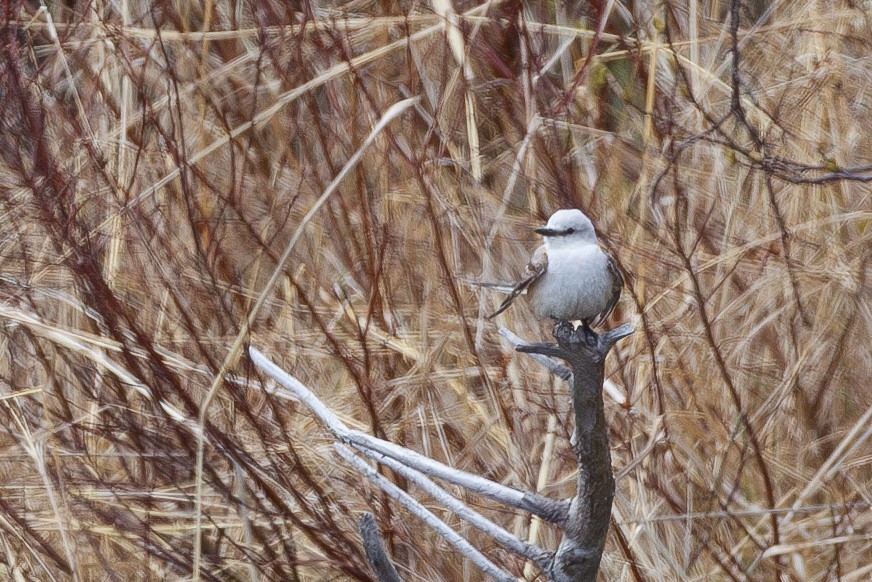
{"points": [[545, 231]]}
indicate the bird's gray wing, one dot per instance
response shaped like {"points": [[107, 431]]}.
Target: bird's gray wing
{"points": [[535, 268], [617, 286]]}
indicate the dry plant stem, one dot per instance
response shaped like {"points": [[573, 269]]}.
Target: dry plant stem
{"points": [[285, 99], [415, 507], [578, 556], [550, 510], [375, 550], [393, 112], [156, 159]]}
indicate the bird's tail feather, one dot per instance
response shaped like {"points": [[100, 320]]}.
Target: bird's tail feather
{"points": [[501, 287]]}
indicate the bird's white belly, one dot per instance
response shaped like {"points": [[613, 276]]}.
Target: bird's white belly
{"points": [[576, 285]]}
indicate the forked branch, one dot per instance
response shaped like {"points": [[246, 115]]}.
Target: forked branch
{"points": [[578, 557], [585, 519]]}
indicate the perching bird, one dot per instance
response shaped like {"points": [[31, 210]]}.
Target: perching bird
{"points": [[569, 277]]}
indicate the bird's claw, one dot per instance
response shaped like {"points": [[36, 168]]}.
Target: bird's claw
{"points": [[564, 330]]}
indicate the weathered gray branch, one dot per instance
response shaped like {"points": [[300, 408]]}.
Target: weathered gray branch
{"points": [[551, 510], [418, 509], [578, 556], [558, 370], [502, 536], [585, 519], [411, 465]]}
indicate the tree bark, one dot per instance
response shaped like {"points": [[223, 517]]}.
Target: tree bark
{"points": [[578, 556]]}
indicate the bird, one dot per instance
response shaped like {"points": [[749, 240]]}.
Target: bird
{"points": [[570, 277]]}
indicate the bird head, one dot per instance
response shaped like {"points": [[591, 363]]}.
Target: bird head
{"points": [[568, 227]]}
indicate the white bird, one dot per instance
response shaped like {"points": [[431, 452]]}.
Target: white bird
{"points": [[570, 277]]}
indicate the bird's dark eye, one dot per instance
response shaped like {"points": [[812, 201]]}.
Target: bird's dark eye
{"points": [[570, 230]]}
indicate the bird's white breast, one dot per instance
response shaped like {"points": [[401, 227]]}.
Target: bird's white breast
{"points": [[576, 284]]}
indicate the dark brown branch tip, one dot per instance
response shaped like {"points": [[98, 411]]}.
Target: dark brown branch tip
{"points": [[550, 350], [613, 336], [375, 550]]}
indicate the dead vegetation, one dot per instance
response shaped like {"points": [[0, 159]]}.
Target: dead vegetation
{"points": [[169, 190]]}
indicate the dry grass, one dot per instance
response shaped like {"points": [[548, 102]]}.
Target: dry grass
{"points": [[157, 158]]}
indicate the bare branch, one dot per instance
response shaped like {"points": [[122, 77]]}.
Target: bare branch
{"points": [[503, 537], [562, 372], [427, 516], [580, 551], [553, 511]]}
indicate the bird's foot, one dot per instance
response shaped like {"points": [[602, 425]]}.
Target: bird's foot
{"points": [[564, 330]]}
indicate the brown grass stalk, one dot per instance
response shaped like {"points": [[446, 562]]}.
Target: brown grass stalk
{"points": [[179, 178]]}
